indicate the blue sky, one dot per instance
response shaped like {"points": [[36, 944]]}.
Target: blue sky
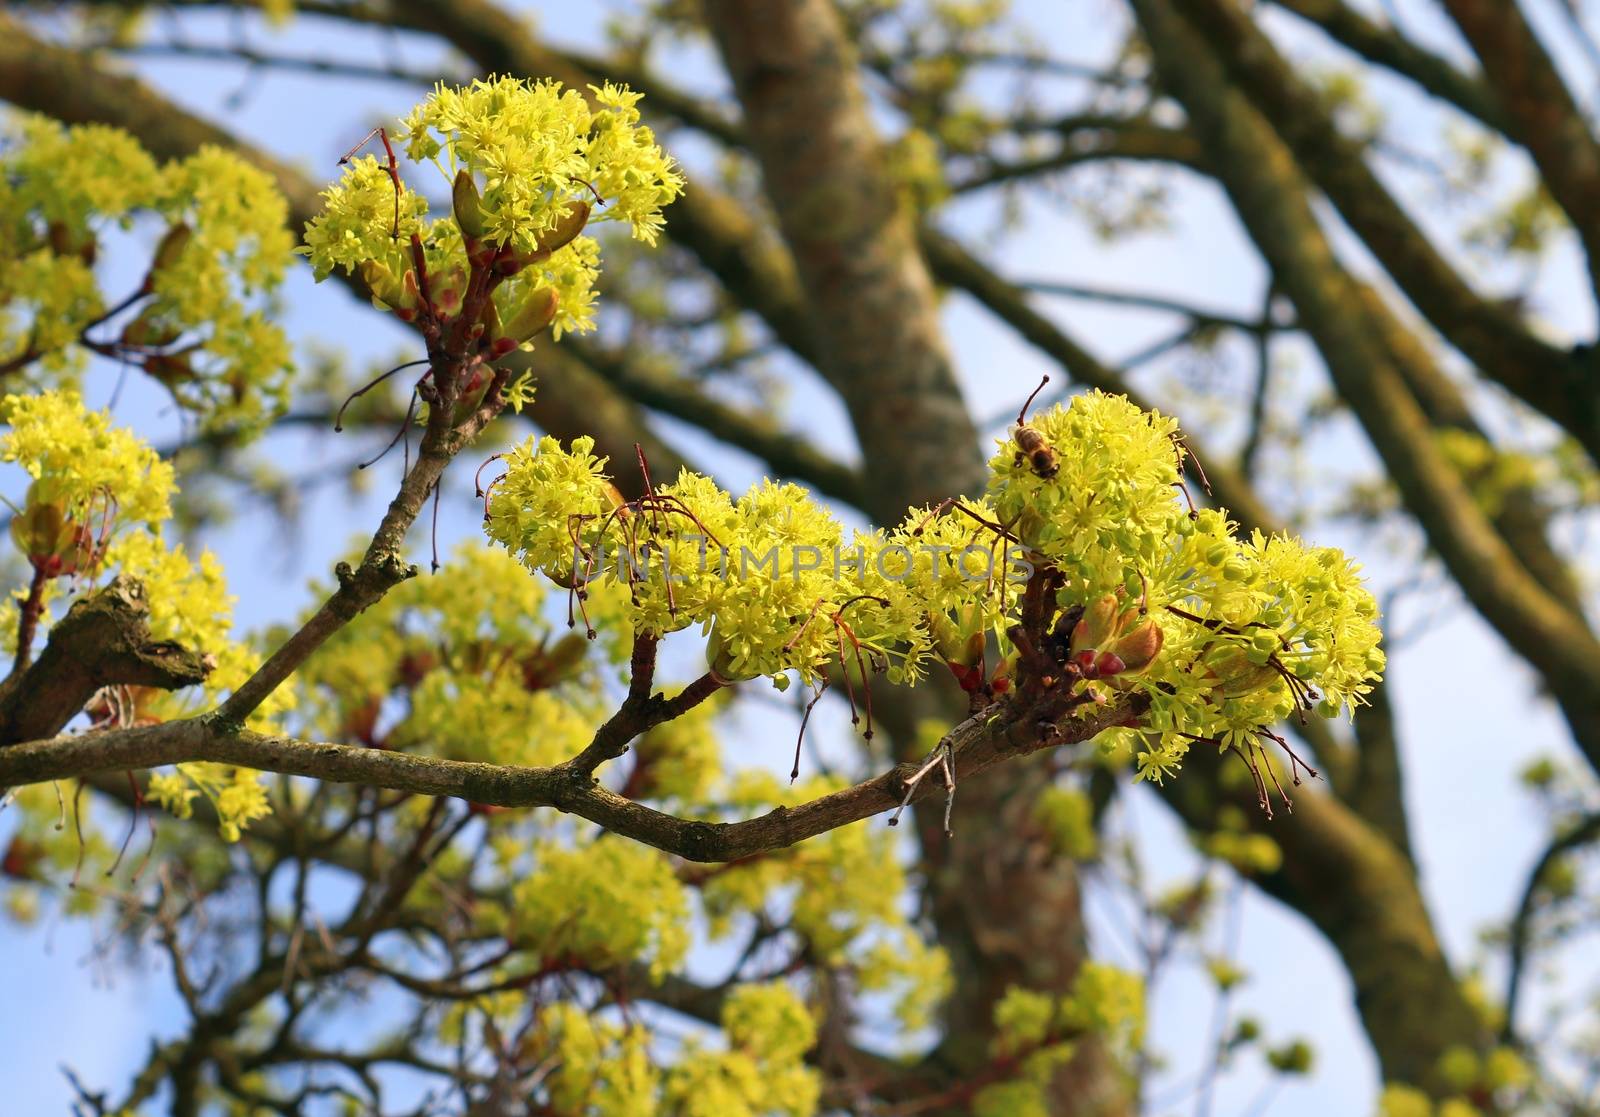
{"points": [[1463, 740]]}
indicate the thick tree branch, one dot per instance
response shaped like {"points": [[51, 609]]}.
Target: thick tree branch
{"points": [[104, 640], [1542, 113], [1387, 47], [1551, 380], [979, 743], [853, 246]]}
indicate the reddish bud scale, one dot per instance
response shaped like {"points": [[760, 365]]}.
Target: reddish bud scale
{"points": [[967, 677], [1109, 663]]}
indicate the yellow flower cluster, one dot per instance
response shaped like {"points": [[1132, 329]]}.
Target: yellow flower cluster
{"points": [[540, 150], [482, 674], [530, 165], [1040, 1031], [80, 460], [605, 1068], [96, 506], [605, 904], [1224, 635], [237, 794], [199, 320]]}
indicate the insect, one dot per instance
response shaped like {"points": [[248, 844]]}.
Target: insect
{"points": [[1031, 445]]}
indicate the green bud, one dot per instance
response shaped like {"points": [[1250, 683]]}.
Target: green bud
{"points": [[1236, 676], [946, 637], [383, 285], [1095, 626], [171, 247], [719, 657], [1139, 646], [562, 233], [468, 206], [537, 311], [1217, 554], [1236, 570], [1292, 1058]]}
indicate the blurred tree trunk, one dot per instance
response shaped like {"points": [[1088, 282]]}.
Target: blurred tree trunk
{"points": [[1005, 909]]}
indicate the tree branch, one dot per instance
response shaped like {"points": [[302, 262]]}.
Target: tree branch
{"points": [[1549, 379], [978, 743], [1543, 116], [1581, 833], [1387, 47], [104, 640]]}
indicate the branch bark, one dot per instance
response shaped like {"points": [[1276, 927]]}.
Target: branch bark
{"points": [[979, 743], [1387, 47], [104, 640], [1541, 110], [1549, 379]]}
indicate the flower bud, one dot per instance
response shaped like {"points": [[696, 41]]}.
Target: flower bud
{"points": [[719, 657], [446, 288], [562, 233], [1236, 676], [1108, 663], [1096, 625], [946, 638], [1139, 646], [22, 859], [1236, 570], [53, 542], [410, 300], [1000, 682], [171, 247], [467, 204], [973, 652], [382, 284], [537, 311]]}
